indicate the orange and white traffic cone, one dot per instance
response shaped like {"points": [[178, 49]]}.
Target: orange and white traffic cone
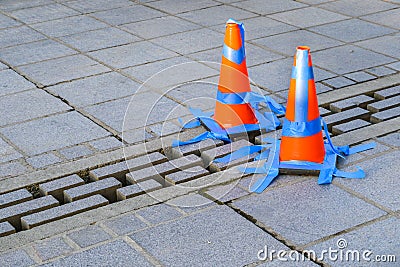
{"points": [[302, 138]]}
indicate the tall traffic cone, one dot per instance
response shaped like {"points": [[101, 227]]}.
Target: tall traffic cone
{"points": [[302, 138], [233, 80]]}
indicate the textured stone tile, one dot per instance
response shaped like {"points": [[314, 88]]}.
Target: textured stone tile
{"points": [[395, 66], [356, 8], [70, 25], [385, 115], [208, 240], [12, 82], [116, 253], [320, 74], [125, 224], [64, 130], [66, 210], [175, 6], [381, 238], [269, 7], [18, 35], [99, 39], [9, 5], [132, 54], [127, 14], [360, 76], [159, 213], [43, 160], [105, 187], [352, 102], [191, 202], [287, 42], [386, 45], [14, 197], [348, 58], [344, 116], [379, 148], [339, 82], [225, 193], [16, 258], [384, 104], [96, 5], [352, 30], [52, 248], [136, 136], [195, 148], [89, 236], [12, 169], [106, 143], [200, 40], [263, 26], [34, 52], [6, 22], [283, 209], [349, 126], [96, 89], [307, 17], [7, 152], [186, 175], [28, 105], [392, 139], [159, 27], [43, 13], [56, 187], [76, 152], [6, 229], [137, 189], [216, 15], [272, 82], [389, 92], [381, 71], [63, 69], [209, 155], [164, 129], [388, 18], [321, 88]]}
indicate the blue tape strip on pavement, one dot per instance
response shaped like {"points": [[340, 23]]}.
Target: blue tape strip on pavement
{"points": [[360, 148], [359, 174], [189, 124], [240, 153], [301, 129], [201, 137], [299, 165], [328, 167]]}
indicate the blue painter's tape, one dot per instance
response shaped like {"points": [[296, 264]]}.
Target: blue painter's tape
{"points": [[189, 124], [359, 174], [236, 56], [299, 165], [201, 137], [308, 74], [240, 153], [301, 129], [328, 167], [363, 147], [233, 98]]}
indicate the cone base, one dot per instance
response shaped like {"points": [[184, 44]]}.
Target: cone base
{"points": [[310, 148]]}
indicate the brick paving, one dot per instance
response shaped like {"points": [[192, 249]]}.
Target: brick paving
{"points": [[75, 101]]}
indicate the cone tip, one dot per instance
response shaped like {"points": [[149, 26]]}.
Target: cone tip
{"points": [[303, 47]]}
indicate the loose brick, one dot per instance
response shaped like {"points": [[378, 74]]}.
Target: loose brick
{"points": [[56, 187], [137, 189], [6, 229], [211, 154], [14, 197], [216, 167], [63, 211], [157, 172], [385, 115], [105, 187], [345, 116], [119, 170], [357, 101], [186, 175], [384, 104], [323, 111], [13, 214], [349, 126], [196, 148], [389, 92]]}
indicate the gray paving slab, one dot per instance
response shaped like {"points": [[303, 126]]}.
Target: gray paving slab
{"points": [[356, 8], [380, 180], [302, 225], [389, 92], [360, 76], [186, 175], [28, 105], [128, 14], [381, 71], [34, 52], [392, 139], [344, 116], [138, 189], [106, 143], [348, 58], [158, 27], [272, 82], [70, 25], [117, 253], [14, 197], [16, 258], [7, 152], [225, 193], [12, 82], [56, 187], [395, 66], [96, 5], [64, 130], [12, 169], [339, 82], [385, 115], [378, 149], [286, 43], [388, 18], [262, 26], [381, 238], [384, 104], [308, 16], [125, 224], [200, 40], [6, 22], [89, 236], [43, 13], [224, 231], [63, 69], [99, 39], [385, 45], [19, 35], [352, 102], [9, 5], [320, 74], [6, 229], [191, 203], [175, 6], [43, 160], [76, 152], [164, 129], [132, 54], [263, 8], [349, 126], [159, 213], [52, 248], [352, 30]]}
